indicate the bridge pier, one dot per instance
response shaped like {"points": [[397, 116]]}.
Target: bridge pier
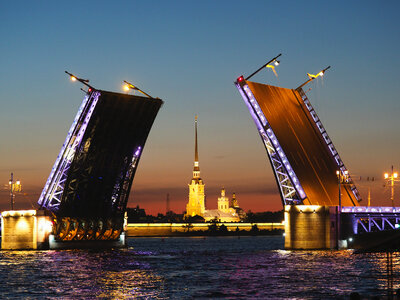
{"points": [[33, 230], [25, 230], [356, 227], [312, 227]]}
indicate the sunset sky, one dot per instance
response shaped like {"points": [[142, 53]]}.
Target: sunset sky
{"points": [[189, 53]]}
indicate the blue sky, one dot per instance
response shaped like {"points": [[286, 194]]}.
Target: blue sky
{"points": [[189, 53]]}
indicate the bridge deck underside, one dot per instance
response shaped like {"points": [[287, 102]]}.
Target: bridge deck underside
{"points": [[119, 125], [302, 143]]}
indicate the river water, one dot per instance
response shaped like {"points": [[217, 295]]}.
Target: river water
{"points": [[253, 267]]}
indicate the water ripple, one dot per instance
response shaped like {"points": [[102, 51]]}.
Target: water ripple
{"points": [[186, 268]]}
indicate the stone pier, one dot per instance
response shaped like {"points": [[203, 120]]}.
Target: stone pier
{"points": [[311, 227], [25, 230]]}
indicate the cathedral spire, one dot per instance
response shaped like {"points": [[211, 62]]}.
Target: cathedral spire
{"points": [[196, 169], [196, 204], [196, 152]]}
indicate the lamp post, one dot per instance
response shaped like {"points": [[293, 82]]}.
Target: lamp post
{"points": [[312, 77], [83, 81], [342, 179], [391, 178], [15, 186], [267, 65], [129, 86]]}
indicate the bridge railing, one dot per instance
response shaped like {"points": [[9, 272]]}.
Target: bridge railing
{"points": [[372, 218], [370, 209], [328, 142]]}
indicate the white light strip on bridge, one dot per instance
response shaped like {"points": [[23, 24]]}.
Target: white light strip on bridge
{"points": [[120, 193], [56, 181], [269, 136], [60, 155]]}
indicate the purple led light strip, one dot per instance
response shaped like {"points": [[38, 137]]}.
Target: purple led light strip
{"points": [[370, 209], [52, 192], [126, 179], [370, 218], [328, 142], [273, 148], [66, 142]]}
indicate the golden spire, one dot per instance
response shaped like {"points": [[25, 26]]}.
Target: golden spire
{"points": [[196, 169], [196, 152]]}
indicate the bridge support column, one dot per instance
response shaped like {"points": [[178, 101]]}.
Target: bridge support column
{"points": [[25, 229], [31, 230], [311, 227]]}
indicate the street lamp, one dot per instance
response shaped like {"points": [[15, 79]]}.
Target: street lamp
{"points": [[342, 177], [272, 67], [391, 178], [129, 86], [267, 65], [83, 81], [312, 77], [14, 187]]}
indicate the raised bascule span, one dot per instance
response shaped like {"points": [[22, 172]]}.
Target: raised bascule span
{"points": [[302, 155], [88, 187], [320, 199]]}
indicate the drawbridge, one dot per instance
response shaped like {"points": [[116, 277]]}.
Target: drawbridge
{"points": [[88, 187], [320, 198], [302, 155]]}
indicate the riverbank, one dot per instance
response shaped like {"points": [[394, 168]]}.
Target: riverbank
{"points": [[203, 229]]}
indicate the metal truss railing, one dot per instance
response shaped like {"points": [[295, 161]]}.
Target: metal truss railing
{"points": [[289, 186], [329, 143], [373, 218], [50, 197], [371, 209], [287, 189], [370, 224], [121, 189]]}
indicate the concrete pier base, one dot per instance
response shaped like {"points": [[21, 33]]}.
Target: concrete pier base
{"points": [[31, 230], [311, 227], [25, 230]]}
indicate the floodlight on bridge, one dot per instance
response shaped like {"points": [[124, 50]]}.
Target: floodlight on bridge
{"points": [[312, 76], [83, 81], [129, 86], [267, 65]]}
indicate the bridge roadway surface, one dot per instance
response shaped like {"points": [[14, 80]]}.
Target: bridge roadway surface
{"points": [[303, 144]]}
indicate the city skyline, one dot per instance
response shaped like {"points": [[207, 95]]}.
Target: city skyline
{"points": [[189, 54]]}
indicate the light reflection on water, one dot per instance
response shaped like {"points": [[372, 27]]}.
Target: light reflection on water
{"points": [[184, 268]]}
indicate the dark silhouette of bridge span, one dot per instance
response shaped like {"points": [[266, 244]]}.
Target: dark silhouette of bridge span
{"points": [[88, 188]]}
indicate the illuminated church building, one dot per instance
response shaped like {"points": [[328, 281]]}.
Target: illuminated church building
{"points": [[227, 211], [196, 205]]}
